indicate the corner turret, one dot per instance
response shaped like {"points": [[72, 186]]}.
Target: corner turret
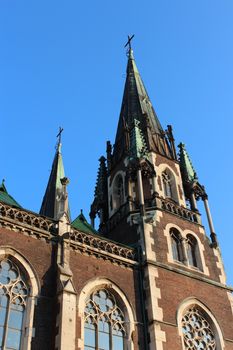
{"points": [[55, 201]]}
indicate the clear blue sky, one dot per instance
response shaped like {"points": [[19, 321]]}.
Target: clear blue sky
{"points": [[62, 63]]}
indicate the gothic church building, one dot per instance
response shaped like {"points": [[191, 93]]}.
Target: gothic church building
{"points": [[150, 278]]}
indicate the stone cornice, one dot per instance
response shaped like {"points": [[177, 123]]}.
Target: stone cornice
{"points": [[190, 275], [27, 222], [34, 225], [101, 247]]}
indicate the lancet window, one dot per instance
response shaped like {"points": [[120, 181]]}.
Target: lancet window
{"points": [[192, 250], [197, 331], [13, 299], [104, 327], [176, 243], [167, 184], [118, 192]]}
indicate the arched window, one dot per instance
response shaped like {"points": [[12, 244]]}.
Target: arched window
{"points": [[104, 327], [167, 184], [13, 299], [198, 333], [192, 250], [118, 192], [176, 243]]}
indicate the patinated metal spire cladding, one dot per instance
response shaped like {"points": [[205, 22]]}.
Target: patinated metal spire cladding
{"points": [[6, 198], [137, 110], [189, 175], [138, 147], [55, 195], [186, 167]]}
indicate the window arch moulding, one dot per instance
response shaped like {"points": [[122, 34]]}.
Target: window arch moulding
{"points": [[176, 245], [176, 183], [201, 265], [27, 287], [167, 232], [102, 284], [192, 315]]}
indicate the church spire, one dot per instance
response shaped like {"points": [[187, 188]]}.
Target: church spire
{"points": [[55, 201], [137, 109]]}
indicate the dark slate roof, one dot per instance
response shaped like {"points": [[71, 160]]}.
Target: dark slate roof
{"points": [[81, 224], [136, 111], [6, 198]]}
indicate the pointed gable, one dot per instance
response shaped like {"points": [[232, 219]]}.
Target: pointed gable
{"points": [[81, 224]]}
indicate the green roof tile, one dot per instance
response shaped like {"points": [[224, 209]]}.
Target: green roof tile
{"points": [[81, 224], [6, 198], [187, 170]]}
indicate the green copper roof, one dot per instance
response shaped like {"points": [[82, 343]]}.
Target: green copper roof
{"points": [[138, 146], [6, 198], [187, 169], [81, 224], [54, 187]]}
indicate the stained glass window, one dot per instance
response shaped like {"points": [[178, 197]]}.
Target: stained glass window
{"points": [[197, 331], [104, 323], [13, 297]]}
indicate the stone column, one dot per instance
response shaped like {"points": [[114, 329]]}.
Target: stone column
{"points": [[93, 221], [66, 294], [193, 202], [210, 221], [140, 191], [154, 184], [130, 194]]}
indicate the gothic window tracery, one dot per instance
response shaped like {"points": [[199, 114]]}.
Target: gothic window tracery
{"points": [[198, 333], [13, 299], [104, 327]]}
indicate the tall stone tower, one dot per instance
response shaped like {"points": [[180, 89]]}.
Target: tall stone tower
{"points": [[152, 278], [146, 196]]}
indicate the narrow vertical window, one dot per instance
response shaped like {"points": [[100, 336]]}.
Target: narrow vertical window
{"points": [[192, 250], [104, 323], [176, 245], [118, 192], [167, 184], [13, 298]]}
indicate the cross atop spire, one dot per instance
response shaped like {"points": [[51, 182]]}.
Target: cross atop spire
{"points": [[129, 51], [59, 137], [129, 41]]}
